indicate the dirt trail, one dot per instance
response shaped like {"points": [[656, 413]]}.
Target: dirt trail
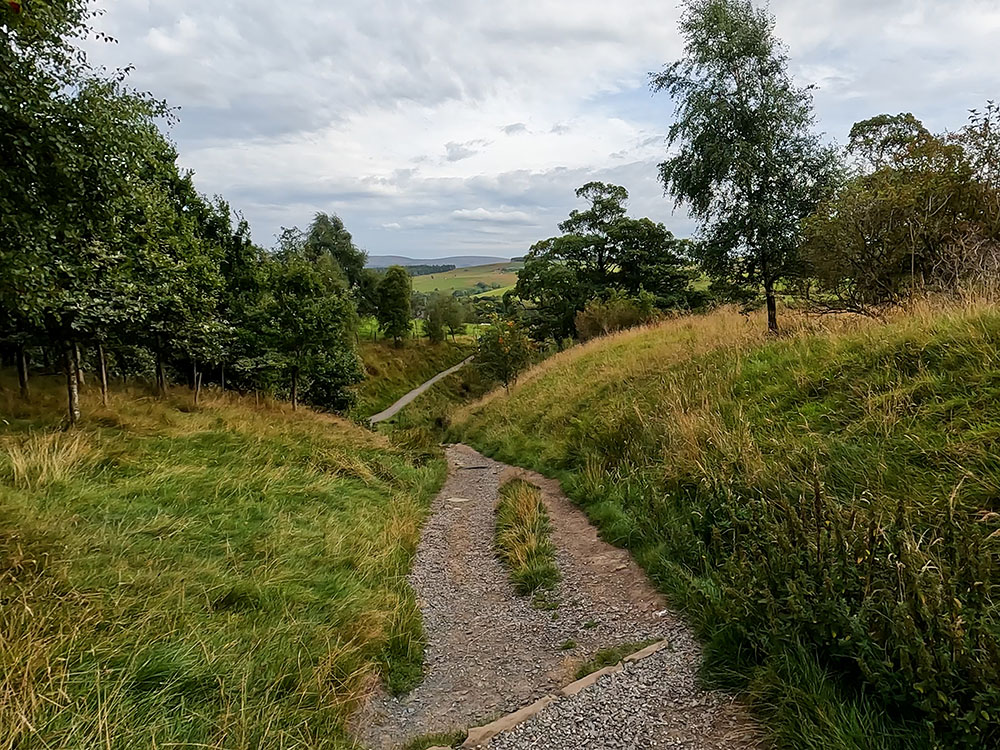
{"points": [[491, 652]]}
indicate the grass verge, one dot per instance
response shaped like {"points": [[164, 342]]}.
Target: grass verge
{"points": [[822, 505], [441, 739], [221, 576], [523, 538]]}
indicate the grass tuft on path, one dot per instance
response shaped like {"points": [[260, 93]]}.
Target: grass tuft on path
{"points": [[220, 576], [523, 538], [608, 657]]}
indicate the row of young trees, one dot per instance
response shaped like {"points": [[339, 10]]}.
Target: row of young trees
{"points": [[780, 212], [855, 229], [110, 260]]}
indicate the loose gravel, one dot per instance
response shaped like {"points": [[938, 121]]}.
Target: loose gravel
{"points": [[654, 703], [490, 652]]}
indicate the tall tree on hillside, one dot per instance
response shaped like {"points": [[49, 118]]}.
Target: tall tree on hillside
{"points": [[748, 163], [394, 298], [310, 322], [601, 249], [327, 234]]}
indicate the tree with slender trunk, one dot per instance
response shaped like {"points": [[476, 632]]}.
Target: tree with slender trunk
{"points": [[102, 365], [746, 161], [72, 386], [395, 293], [22, 372]]}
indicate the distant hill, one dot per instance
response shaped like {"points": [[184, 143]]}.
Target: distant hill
{"points": [[459, 261]]}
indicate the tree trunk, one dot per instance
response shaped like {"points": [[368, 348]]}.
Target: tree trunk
{"points": [[222, 377], [772, 308], [45, 359], [103, 365], [295, 388], [194, 374], [80, 381], [161, 381], [22, 372], [197, 387], [72, 385]]}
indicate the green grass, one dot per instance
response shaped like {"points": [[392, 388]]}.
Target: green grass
{"points": [[221, 576], [441, 739], [823, 506], [368, 332], [391, 373], [499, 292], [523, 538], [466, 279], [608, 657]]}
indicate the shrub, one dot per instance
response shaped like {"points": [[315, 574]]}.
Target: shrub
{"points": [[504, 351], [615, 313]]}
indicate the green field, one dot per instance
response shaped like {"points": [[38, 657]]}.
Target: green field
{"points": [[823, 506], [466, 279], [228, 575]]}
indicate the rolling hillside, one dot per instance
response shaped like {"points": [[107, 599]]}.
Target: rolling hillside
{"points": [[822, 505]]}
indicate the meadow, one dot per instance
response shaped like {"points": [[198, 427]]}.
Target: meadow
{"points": [[227, 575], [821, 505]]}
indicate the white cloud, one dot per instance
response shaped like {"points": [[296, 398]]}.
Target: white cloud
{"points": [[454, 126]]}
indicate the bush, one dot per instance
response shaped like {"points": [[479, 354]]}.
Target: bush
{"points": [[504, 351], [615, 313]]}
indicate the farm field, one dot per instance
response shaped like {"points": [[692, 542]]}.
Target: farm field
{"points": [[465, 279]]}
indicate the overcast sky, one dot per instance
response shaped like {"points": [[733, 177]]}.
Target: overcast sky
{"points": [[444, 127]]}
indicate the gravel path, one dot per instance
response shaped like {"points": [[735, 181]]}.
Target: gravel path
{"points": [[491, 652]]}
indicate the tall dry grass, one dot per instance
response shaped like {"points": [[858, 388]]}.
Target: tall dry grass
{"points": [[524, 538], [227, 575], [38, 459]]}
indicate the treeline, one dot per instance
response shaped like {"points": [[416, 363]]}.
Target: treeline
{"points": [[782, 215], [111, 261], [428, 270]]}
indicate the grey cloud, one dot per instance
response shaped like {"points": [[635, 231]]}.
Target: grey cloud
{"points": [[458, 151], [248, 74]]}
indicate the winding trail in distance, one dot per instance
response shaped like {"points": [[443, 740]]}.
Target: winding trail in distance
{"points": [[393, 410]]}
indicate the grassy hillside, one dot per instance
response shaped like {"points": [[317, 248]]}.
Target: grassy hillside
{"points": [[823, 505], [228, 576], [392, 373], [465, 279]]}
